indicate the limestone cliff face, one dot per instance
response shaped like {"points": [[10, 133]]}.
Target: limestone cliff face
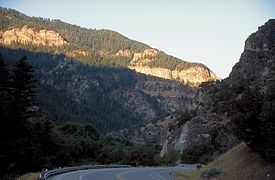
{"points": [[195, 75], [27, 35]]}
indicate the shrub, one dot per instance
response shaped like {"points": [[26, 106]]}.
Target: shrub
{"points": [[212, 172]]}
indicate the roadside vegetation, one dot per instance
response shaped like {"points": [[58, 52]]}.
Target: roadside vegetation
{"points": [[252, 117], [238, 163], [32, 140]]}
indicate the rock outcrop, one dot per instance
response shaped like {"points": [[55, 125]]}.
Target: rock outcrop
{"points": [[27, 35], [258, 58], [124, 53], [77, 53], [194, 75], [211, 122]]}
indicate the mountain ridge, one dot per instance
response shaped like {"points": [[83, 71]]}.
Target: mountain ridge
{"points": [[84, 44]]}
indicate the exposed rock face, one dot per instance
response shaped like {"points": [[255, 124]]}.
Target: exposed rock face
{"points": [[77, 53], [213, 125], [263, 39], [124, 53], [200, 129], [194, 74], [157, 132], [258, 57], [141, 58], [27, 35], [209, 124]]}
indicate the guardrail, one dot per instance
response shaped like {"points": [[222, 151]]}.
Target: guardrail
{"points": [[45, 175]]}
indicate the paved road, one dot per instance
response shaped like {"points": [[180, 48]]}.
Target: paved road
{"points": [[140, 173]]}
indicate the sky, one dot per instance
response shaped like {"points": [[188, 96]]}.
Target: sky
{"points": [[211, 32]]}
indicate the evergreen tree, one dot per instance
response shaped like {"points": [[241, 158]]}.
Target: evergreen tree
{"points": [[23, 87], [4, 91], [21, 144], [5, 127]]}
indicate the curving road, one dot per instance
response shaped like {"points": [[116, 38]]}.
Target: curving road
{"points": [[139, 173]]}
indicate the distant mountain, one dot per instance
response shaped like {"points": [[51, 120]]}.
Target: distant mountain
{"points": [[108, 47]]}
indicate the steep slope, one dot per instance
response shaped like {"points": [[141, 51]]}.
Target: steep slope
{"points": [[109, 98], [238, 163], [257, 60], [27, 35], [156, 63], [210, 121], [85, 44]]}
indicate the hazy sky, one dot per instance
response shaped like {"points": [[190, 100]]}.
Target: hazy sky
{"points": [[207, 31]]}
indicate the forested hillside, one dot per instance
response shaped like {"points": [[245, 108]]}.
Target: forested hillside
{"points": [[82, 87], [95, 47], [32, 140], [77, 37], [109, 98], [83, 73]]}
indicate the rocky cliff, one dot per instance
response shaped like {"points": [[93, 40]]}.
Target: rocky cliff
{"points": [[27, 35], [211, 123], [143, 62], [257, 60]]}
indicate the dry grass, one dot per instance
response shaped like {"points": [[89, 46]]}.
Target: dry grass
{"points": [[29, 176], [239, 163]]}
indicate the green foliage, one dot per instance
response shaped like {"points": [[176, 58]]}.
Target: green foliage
{"points": [[23, 89], [91, 39], [4, 87], [170, 157], [39, 142], [121, 153], [251, 111], [96, 42], [17, 139], [98, 107], [6, 125], [247, 109], [166, 61], [197, 153], [184, 116]]}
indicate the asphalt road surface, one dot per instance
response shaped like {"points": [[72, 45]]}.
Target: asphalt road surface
{"points": [[139, 173]]}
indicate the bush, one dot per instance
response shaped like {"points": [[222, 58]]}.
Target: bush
{"points": [[212, 172], [197, 153]]}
